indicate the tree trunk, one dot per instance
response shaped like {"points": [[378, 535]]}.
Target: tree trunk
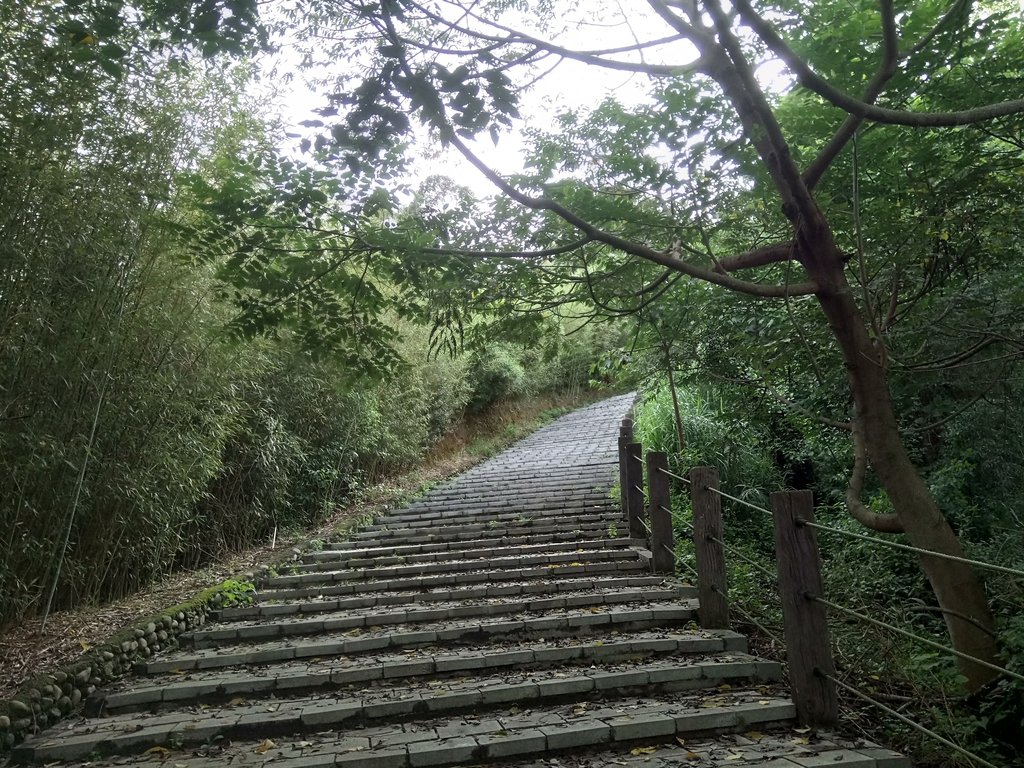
{"points": [[676, 410], [956, 585]]}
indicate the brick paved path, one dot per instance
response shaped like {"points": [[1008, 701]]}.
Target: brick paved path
{"points": [[504, 617]]}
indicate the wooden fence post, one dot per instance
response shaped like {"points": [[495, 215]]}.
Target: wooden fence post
{"points": [[659, 513], [808, 647], [634, 491], [707, 524], [624, 440]]}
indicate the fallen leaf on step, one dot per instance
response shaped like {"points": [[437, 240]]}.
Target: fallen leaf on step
{"points": [[265, 746], [643, 750], [162, 751]]}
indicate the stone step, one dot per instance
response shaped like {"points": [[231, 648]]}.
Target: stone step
{"points": [[490, 520], [565, 486], [687, 649], [525, 627], [664, 712], [591, 530], [525, 543], [512, 500], [328, 559], [311, 602], [556, 560], [394, 592], [496, 536], [494, 516], [462, 578], [579, 739], [269, 628]]}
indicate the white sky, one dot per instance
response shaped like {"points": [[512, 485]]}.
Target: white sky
{"points": [[590, 25], [571, 85]]}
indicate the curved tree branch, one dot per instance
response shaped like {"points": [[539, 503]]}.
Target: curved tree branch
{"points": [[816, 83], [546, 252], [886, 69], [664, 258], [887, 523], [759, 257]]}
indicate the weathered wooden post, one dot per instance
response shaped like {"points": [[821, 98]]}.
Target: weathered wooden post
{"points": [[659, 506], [707, 526], [624, 440], [635, 491], [808, 647]]}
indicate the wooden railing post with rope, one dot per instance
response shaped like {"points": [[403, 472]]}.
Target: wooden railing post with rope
{"points": [[625, 438], [707, 536], [808, 646], [659, 512], [635, 491], [799, 584]]}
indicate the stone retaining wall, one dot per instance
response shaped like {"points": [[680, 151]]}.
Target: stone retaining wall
{"points": [[49, 698]]}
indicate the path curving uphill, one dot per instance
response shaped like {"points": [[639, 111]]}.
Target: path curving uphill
{"points": [[505, 617]]}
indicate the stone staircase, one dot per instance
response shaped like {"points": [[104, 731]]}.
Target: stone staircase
{"points": [[505, 617]]}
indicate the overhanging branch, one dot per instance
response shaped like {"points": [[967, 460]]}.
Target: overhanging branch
{"points": [[814, 82]]}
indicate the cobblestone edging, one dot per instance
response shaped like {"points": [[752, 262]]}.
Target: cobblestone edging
{"points": [[49, 698]]}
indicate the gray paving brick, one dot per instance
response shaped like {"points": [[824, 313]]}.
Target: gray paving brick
{"points": [[357, 675], [582, 733], [509, 658], [565, 686], [461, 699], [377, 710], [564, 653], [714, 718], [364, 644], [844, 757], [528, 741], [608, 680], [443, 752], [457, 663], [501, 694], [643, 726], [409, 668], [395, 757]]}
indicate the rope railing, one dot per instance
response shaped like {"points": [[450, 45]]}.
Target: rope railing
{"points": [[918, 638], [805, 611], [910, 548], [674, 475], [738, 500], [763, 629], [908, 721], [748, 560]]}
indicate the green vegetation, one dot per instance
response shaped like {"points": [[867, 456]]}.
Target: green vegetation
{"points": [[210, 329], [755, 452], [144, 426]]}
